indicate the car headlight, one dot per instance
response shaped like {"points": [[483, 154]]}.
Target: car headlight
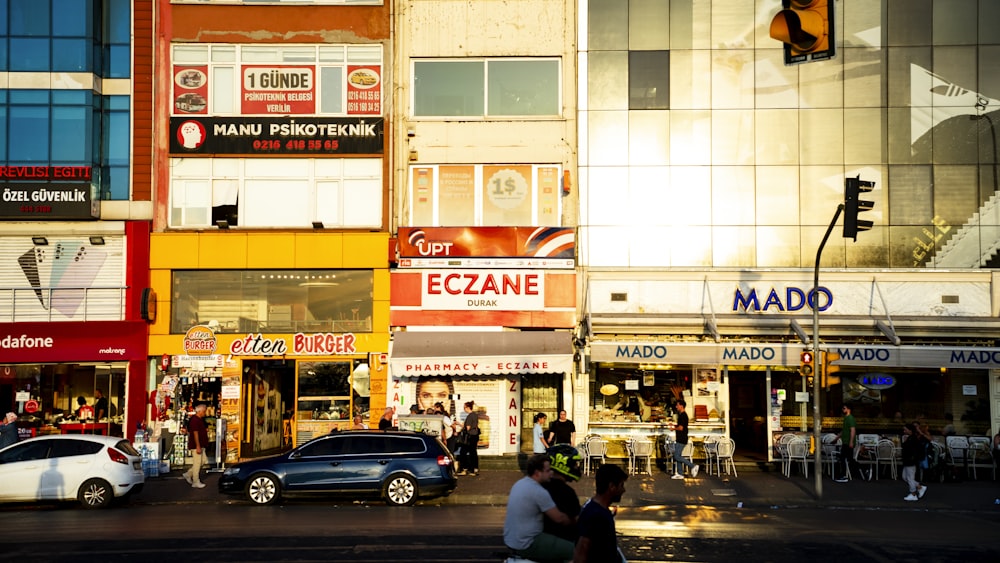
{"points": [[231, 471]]}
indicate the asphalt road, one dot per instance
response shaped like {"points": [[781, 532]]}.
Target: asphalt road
{"points": [[320, 531]]}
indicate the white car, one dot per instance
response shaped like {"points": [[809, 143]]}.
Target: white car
{"points": [[92, 469]]}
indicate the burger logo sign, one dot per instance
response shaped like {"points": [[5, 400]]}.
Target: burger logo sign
{"points": [[200, 341]]}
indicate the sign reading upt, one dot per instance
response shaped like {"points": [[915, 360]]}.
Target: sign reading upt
{"points": [[276, 135]]}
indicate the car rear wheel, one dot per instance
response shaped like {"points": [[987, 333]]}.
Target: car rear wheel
{"points": [[96, 493], [400, 490], [263, 489]]}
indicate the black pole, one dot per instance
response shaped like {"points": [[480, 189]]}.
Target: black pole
{"points": [[818, 366]]}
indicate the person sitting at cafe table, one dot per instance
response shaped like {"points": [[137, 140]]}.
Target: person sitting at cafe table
{"points": [[85, 411]]}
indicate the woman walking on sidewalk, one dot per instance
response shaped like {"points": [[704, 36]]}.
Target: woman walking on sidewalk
{"points": [[914, 450]]}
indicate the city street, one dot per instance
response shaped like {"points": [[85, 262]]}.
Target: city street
{"points": [[321, 530]]}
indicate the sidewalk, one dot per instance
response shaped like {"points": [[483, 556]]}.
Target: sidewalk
{"points": [[753, 488]]}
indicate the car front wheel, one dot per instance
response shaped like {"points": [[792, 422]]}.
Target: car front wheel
{"points": [[400, 490], [263, 489], [96, 493]]}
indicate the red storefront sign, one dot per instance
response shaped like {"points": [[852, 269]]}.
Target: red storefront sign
{"points": [[278, 89], [520, 247], [72, 342]]}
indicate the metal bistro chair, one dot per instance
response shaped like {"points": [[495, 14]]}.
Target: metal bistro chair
{"points": [[979, 455], [711, 446], [597, 449], [781, 448], [724, 456], [958, 451], [798, 451], [885, 454], [641, 451]]}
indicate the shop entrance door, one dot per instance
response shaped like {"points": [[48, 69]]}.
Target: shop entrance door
{"points": [[268, 390], [539, 394], [748, 413]]}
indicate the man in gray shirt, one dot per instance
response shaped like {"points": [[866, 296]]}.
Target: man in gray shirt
{"points": [[527, 506]]}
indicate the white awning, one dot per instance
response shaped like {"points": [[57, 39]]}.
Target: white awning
{"points": [[416, 354]]}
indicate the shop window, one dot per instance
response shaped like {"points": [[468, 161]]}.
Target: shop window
{"points": [[267, 193], [483, 88], [273, 300], [324, 391], [225, 79]]}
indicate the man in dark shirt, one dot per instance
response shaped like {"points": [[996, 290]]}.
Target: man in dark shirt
{"points": [[681, 440], [100, 404], [598, 542], [563, 429], [197, 441]]}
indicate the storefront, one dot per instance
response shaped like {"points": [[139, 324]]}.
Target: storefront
{"points": [[733, 353], [266, 394], [485, 314], [74, 308], [71, 377], [493, 370]]}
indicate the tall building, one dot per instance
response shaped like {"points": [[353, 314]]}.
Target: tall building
{"points": [[710, 173], [74, 213], [484, 292], [270, 249]]}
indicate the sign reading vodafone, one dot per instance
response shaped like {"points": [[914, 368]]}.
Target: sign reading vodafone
{"points": [[73, 342]]}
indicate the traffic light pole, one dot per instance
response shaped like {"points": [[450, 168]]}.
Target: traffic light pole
{"points": [[818, 365]]}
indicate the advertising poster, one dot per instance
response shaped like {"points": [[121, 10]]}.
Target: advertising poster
{"points": [[278, 90], [422, 200], [229, 407], [457, 198], [507, 195], [276, 135], [191, 90], [453, 393], [548, 195], [364, 90]]}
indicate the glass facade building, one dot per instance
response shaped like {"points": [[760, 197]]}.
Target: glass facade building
{"points": [[700, 148], [59, 105]]}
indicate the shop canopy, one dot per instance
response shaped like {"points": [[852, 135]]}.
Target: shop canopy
{"points": [[416, 354]]}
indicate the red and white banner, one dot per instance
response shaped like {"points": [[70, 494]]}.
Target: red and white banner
{"points": [[278, 89], [473, 297], [73, 342]]}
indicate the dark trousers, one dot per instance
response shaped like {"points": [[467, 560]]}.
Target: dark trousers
{"points": [[847, 461], [468, 458]]}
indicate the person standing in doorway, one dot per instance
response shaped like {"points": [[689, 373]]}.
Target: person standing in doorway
{"points": [[100, 404], [470, 445], [563, 429], [538, 441], [848, 441], [197, 441], [680, 441]]}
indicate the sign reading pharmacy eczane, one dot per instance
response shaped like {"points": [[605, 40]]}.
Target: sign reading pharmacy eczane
{"points": [[652, 353], [481, 365], [478, 297]]}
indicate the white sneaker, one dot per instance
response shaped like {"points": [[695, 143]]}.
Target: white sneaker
{"points": [[187, 477], [677, 476], [198, 485], [921, 491], [910, 497], [694, 470], [841, 480]]}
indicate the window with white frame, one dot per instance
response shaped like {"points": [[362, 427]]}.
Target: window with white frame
{"points": [[276, 192], [260, 79], [485, 88], [450, 195]]}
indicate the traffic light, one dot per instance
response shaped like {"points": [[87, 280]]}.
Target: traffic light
{"points": [[829, 368], [853, 188], [806, 364], [806, 29]]}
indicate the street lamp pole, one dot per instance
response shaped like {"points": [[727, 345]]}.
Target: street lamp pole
{"points": [[818, 366]]}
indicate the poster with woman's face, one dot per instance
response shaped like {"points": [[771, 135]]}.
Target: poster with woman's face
{"points": [[433, 390]]}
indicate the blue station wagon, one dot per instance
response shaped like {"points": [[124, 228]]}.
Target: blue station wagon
{"points": [[397, 466]]}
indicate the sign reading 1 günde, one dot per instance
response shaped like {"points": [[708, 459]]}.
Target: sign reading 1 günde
{"points": [[276, 135]]}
